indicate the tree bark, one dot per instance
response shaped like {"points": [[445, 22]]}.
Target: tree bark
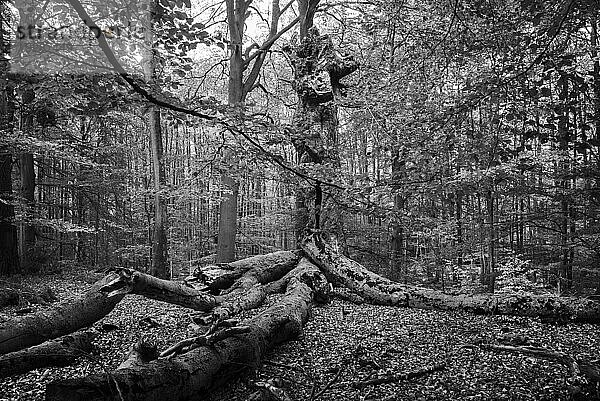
{"points": [[379, 290], [27, 229], [60, 352], [223, 276], [248, 292], [128, 281], [65, 318], [159, 266], [107, 292], [228, 219], [191, 374], [397, 240], [9, 252], [318, 70]]}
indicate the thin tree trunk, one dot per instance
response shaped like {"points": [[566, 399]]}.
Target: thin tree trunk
{"points": [[563, 170], [397, 243], [159, 264], [27, 234], [228, 219]]}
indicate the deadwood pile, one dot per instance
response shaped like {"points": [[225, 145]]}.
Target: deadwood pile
{"points": [[196, 365]]}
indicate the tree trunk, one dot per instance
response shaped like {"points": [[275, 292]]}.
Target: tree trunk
{"points": [[379, 290], [318, 70], [244, 71], [9, 253], [195, 372], [248, 292], [223, 276], [27, 229], [397, 241], [566, 268], [159, 266], [66, 317], [127, 281], [228, 220], [107, 292], [236, 17], [60, 352]]}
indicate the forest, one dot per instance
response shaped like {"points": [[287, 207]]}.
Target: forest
{"points": [[299, 200]]}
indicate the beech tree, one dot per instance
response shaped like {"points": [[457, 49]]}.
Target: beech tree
{"points": [[245, 64]]}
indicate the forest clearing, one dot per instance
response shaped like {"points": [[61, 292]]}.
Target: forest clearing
{"points": [[299, 200]]}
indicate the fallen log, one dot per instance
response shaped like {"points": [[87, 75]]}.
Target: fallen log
{"points": [[382, 291], [128, 281], [222, 276], [62, 351], [66, 317], [191, 374], [69, 316], [248, 292]]}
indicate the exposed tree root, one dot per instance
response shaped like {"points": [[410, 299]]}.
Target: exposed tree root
{"points": [[378, 290], [62, 351], [188, 375]]}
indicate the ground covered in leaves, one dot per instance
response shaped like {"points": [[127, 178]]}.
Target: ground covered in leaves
{"points": [[343, 344]]}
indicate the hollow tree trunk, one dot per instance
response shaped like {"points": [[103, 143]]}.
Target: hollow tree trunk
{"points": [[191, 374], [379, 290], [65, 318], [60, 352], [318, 70]]}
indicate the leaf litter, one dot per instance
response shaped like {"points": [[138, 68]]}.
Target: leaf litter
{"points": [[341, 345]]}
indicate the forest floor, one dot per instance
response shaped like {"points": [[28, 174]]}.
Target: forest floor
{"points": [[342, 343]]}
